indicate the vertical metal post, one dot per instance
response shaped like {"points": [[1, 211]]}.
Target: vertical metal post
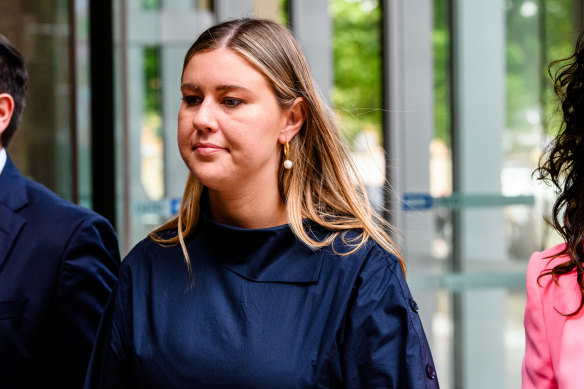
{"points": [[312, 26], [102, 109], [125, 112], [544, 82], [72, 18], [392, 120], [385, 103], [457, 228]]}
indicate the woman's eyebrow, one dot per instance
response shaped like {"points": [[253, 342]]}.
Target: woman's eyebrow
{"points": [[231, 87], [187, 85], [197, 88]]}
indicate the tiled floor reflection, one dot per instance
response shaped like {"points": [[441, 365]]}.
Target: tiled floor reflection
{"points": [[441, 331]]}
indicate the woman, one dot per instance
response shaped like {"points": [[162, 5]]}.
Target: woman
{"points": [[554, 318], [276, 272]]}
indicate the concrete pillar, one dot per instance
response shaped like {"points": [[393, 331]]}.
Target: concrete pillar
{"points": [[312, 27], [480, 62], [410, 126]]}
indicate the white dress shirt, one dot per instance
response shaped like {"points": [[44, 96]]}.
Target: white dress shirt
{"points": [[2, 159]]}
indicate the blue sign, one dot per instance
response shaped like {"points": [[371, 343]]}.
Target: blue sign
{"points": [[175, 205], [423, 201], [416, 201]]}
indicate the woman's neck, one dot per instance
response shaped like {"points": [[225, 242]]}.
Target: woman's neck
{"points": [[255, 208]]}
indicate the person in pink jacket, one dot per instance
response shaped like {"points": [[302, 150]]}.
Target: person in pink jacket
{"points": [[554, 314]]}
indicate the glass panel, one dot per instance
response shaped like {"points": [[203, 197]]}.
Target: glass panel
{"points": [[525, 72], [83, 101], [441, 146], [357, 90], [152, 142], [151, 39], [493, 106], [42, 146]]}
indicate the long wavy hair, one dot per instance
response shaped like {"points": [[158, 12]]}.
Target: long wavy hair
{"points": [[323, 186], [563, 165]]}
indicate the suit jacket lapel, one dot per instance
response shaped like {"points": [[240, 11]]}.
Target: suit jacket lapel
{"points": [[13, 197]]}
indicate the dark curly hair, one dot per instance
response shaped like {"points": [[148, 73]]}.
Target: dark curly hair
{"points": [[563, 165]]}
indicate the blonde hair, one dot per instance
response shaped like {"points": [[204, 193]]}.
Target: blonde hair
{"points": [[324, 186]]}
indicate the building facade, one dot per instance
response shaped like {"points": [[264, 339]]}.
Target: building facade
{"points": [[446, 104]]}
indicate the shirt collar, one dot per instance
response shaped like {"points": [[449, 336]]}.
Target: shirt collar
{"points": [[262, 255], [2, 159]]}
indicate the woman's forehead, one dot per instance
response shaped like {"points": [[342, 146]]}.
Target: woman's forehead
{"points": [[221, 64]]}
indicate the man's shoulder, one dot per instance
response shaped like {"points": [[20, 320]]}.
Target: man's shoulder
{"points": [[43, 201]]}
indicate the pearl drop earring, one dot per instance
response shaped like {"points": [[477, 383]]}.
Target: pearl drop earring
{"points": [[287, 162]]}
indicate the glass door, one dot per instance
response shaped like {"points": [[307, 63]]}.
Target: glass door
{"points": [[469, 112]]}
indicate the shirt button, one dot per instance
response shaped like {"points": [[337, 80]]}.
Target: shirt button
{"points": [[414, 306], [430, 372]]}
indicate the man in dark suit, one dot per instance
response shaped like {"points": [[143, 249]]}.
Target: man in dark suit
{"points": [[58, 263]]}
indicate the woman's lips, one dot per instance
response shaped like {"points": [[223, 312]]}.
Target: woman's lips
{"points": [[207, 148]]}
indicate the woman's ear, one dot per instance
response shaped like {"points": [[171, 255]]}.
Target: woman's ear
{"points": [[295, 117], [6, 110]]}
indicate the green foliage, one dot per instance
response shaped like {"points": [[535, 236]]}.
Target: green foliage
{"points": [[524, 74], [150, 4], [532, 42], [152, 97], [284, 17], [560, 39], [442, 93], [357, 91]]}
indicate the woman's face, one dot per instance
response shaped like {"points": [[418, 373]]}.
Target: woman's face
{"points": [[229, 123]]}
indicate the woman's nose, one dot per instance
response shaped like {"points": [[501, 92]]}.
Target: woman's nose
{"points": [[204, 117]]}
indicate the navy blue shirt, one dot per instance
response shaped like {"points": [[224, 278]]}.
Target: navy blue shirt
{"points": [[264, 311]]}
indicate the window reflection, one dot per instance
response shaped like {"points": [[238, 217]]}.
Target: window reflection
{"points": [[357, 90], [151, 139]]}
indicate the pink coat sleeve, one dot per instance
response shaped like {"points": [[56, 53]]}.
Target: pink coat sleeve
{"points": [[537, 369]]}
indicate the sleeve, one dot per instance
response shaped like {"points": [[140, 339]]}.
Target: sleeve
{"points": [[384, 343], [88, 270], [536, 370], [109, 366]]}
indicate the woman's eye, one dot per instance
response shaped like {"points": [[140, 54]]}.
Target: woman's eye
{"points": [[231, 102], [191, 100]]}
